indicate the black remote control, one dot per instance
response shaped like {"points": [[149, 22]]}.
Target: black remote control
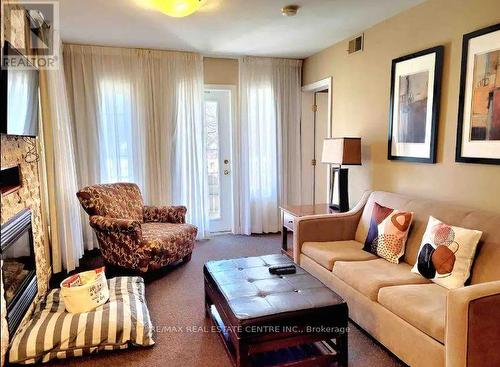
{"points": [[282, 269]]}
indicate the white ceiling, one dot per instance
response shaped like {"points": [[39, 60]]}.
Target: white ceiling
{"points": [[225, 27]]}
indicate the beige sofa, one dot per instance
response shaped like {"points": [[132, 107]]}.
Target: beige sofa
{"points": [[422, 323]]}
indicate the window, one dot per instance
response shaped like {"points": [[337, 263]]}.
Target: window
{"points": [[116, 133]]}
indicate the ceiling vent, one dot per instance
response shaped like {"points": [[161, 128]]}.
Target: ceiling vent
{"points": [[356, 44]]}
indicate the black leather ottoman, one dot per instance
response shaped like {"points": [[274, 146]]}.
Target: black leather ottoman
{"points": [[265, 319]]}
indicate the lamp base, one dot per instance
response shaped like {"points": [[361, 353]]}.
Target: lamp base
{"points": [[334, 207], [343, 194]]}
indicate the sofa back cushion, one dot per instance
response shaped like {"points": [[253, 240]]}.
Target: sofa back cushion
{"points": [[118, 200], [485, 267]]}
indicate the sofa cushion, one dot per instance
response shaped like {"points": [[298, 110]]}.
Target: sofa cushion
{"points": [[326, 253], [422, 305], [367, 277]]}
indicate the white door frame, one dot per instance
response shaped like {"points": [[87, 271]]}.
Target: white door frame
{"points": [[319, 86], [234, 128]]}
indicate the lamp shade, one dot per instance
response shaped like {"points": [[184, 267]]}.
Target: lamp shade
{"points": [[342, 151]]}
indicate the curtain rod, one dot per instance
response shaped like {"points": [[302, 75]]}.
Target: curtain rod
{"points": [[130, 48], [229, 57]]}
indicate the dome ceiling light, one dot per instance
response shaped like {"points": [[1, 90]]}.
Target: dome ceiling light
{"points": [[289, 10], [177, 8]]}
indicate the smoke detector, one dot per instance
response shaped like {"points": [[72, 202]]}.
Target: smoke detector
{"points": [[289, 10]]}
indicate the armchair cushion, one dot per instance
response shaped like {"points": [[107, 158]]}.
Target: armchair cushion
{"points": [[327, 253], [165, 214], [167, 242], [120, 200]]}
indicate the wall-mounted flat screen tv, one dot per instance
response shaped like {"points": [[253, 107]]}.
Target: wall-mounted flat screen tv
{"points": [[19, 97]]}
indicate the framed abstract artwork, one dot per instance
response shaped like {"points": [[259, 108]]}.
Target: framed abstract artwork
{"points": [[414, 106], [478, 130]]}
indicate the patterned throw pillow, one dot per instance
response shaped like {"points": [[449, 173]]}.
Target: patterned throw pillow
{"points": [[388, 232], [446, 253]]}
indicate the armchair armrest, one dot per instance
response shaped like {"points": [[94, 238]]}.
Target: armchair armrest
{"points": [[473, 325], [329, 227], [106, 224], [165, 214]]}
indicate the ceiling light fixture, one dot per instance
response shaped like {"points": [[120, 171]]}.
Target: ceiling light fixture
{"points": [[177, 8], [289, 10]]}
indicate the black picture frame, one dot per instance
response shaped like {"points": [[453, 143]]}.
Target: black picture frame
{"points": [[461, 102], [436, 103]]}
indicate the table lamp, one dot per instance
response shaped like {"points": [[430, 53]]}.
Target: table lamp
{"points": [[338, 152]]}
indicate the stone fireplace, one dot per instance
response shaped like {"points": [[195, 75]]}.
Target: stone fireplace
{"points": [[28, 196], [19, 267]]}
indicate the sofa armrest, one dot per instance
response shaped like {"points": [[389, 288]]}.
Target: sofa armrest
{"points": [[106, 224], [165, 214], [327, 227], [473, 326]]}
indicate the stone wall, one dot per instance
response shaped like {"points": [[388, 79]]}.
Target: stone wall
{"points": [[13, 152], [15, 27]]}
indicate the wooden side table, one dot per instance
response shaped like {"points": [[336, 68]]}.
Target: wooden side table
{"points": [[288, 215]]}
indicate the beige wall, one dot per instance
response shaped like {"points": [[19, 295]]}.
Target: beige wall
{"points": [[361, 102], [220, 71]]}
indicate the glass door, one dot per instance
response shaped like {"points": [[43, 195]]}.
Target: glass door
{"points": [[218, 153]]}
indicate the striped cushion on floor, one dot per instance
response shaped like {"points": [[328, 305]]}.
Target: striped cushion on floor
{"points": [[54, 333]]}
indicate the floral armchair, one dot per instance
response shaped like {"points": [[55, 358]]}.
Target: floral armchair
{"points": [[133, 235]]}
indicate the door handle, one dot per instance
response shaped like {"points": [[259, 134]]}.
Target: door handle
{"points": [[226, 161], [226, 172]]}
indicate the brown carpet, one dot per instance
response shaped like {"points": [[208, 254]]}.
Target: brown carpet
{"points": [[176, 298]]}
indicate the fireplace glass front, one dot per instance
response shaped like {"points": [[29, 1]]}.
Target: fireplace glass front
{"points": [[18, 262], [18, 266]]}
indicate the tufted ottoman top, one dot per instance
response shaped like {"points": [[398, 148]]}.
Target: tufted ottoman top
{"points": [[251, 291]]}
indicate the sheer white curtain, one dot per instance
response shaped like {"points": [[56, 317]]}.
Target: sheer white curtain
{"points": [[190, 186], [129, 107], [287, 96], [269, 140], [102, 85], [64, 212], [175, 148]]}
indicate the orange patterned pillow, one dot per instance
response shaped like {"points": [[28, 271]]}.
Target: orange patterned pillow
{"points": [[446, 253], [388, 232]]}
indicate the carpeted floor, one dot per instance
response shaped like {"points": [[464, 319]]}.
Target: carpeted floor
{"points": [[175, 298]]}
